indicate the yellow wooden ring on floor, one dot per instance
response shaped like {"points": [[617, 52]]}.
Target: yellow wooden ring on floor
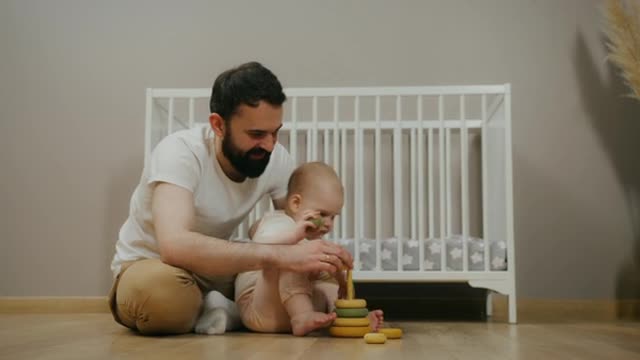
{"points": [[364, 321], [349, 331], [375, 338], [352, 313], [391, 333], [351, 304]]}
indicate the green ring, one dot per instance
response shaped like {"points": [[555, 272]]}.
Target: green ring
{"points": [[352, 313]]}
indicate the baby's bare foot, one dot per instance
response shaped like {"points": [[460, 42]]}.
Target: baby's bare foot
{"points": [[376, 318], [305, 323]]}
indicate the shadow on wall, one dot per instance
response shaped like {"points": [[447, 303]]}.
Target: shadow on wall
{"points": [[616, 119]]}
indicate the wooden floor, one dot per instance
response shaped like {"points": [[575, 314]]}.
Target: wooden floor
{"points": [[96, 336]]}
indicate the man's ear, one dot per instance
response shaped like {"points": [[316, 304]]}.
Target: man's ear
{"points": [[294, 202], [217, 124]]}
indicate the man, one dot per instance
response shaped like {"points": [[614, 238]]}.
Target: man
{"points": [[198, 186]]}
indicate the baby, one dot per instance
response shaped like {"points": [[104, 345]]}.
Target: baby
{"points": [[272, 300]]}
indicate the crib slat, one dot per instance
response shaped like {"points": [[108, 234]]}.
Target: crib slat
{"points": [[336, 165], [485, 186], [314, 133], [325, 137], [448, 181], [420, 218], [343, 176], [377, 185], [413, 185], [357, 185], [308, 139], [170, 117], [293, 134], [397, 183], [441, 141], [465, 186], [432, 224], [361, 219]]}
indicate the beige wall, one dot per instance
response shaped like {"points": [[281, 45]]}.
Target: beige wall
{"points": [[72, 105]]}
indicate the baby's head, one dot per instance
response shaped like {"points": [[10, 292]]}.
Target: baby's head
{"points": [[315, 186]]}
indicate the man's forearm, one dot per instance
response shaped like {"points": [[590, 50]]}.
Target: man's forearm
{"points": [[215, 257], [284, 238]]}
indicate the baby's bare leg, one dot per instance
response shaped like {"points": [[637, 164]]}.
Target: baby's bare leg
{"points": [[262, 310], [281, 297], [295, 292], [281, 302]]}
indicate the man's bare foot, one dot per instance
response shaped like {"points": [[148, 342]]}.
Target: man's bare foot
{"points": [[305, 323], [376, 319]]}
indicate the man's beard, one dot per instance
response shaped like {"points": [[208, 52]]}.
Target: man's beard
{"points": [[241, 161]]}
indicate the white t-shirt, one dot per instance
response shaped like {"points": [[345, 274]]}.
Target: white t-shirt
{"points": [[187, 158]]}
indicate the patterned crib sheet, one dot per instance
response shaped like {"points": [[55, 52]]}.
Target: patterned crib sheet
{"points": [[432, 254]]}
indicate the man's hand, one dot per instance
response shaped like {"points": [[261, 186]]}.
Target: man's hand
{"points": [[314, 256]]}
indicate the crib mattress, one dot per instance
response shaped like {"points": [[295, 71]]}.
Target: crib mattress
{"points": [[433, 249]]}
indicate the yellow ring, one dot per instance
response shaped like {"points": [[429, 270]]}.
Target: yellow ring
{"points": [[352, 313], [375, 338], [351, 304], [351, 322], [349, 331], [391, 333]]}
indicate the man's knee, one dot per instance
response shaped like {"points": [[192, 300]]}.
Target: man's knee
{"points": [[156, 298]]}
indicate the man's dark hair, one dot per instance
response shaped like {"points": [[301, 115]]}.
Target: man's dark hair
{"points": [[246, 84]]}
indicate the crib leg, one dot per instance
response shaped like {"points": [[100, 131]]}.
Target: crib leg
{"points": [[489, 304], [512, 309], [502, 287]]}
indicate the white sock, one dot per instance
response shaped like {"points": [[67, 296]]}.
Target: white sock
{"points": [[219, 315]]}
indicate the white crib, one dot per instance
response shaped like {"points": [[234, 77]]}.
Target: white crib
{"points": [[427, 173]]}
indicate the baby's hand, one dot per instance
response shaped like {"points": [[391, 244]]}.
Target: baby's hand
{"points": [[307, 224], [319, 224]]}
